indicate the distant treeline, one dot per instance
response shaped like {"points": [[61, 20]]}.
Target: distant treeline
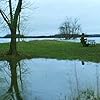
{"points": [[23, 36], [66, 36], [73, 36]]}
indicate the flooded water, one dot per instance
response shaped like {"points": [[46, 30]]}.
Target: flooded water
{"points": [[97, 39], [47, 79]]}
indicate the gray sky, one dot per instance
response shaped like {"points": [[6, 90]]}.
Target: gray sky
{"points": [[51, 13]]}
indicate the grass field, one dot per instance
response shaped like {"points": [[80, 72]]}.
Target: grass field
{"points": [[54, 49]]}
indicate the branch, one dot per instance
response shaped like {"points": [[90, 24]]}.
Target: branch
{"points": [[17, 12], [10, 8], [5, 17]]}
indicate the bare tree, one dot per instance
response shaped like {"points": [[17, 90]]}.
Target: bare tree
{"points": [[76, 27], [70, 27], [62, 29], [12, 22]]}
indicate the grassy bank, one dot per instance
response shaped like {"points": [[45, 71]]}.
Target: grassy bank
{"points": [[54, 49]]}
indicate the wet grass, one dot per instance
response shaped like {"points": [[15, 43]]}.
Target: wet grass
{"points": [[54, 49]]}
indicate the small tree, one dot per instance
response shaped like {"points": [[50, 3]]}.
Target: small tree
{"points": [[70, 28], [12, 22]]}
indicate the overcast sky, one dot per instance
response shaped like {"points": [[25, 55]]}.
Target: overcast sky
{"points": [[51, 13]]}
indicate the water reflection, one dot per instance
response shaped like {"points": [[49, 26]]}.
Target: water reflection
{"points": [[97, 79], [14, 91], [49, 79], [82, 62]]}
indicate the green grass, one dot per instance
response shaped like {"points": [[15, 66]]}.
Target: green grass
{"points": [[54, 49]]}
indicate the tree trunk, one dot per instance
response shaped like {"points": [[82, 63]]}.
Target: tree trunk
{"points": [[14, 87], [13, 44]]}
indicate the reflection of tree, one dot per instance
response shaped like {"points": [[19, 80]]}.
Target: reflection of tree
{"points": [[77, 80], [89, 93], [13, 92], [97, 78]]}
